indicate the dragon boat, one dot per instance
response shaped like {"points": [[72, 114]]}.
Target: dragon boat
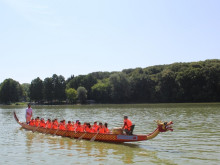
{"points": [[114, 137]]}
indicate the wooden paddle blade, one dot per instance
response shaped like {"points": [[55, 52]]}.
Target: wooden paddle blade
{"points": [[81, 136], [93, 138]]}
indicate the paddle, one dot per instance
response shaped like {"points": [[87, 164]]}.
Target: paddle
{"points": [[56, 131], [36, 128], [93, 138], [82, 136]]}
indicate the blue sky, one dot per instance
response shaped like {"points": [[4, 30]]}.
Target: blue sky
{"points": [[74, 37]]}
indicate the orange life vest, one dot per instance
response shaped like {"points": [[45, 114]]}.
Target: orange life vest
{"points": [[69, 127], [84, 127], [89, 129], [62, 126], [49, 124], [37, 123], [54, 125], [127, 124], [95, 128], [56, 122], [106, 130], [32, 122], [42, 124], [101, 130], [79, 129]]}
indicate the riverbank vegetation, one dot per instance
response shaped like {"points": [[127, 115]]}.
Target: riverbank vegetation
{"points": [[177, 82]]}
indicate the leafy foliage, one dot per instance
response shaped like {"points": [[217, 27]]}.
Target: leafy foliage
{"points": [[59, 86], [120, 87], [26, 92], [82, 94], [10, 91], [48, 89], [177, 82], [101, 91], [36, 90], [71, 95]]}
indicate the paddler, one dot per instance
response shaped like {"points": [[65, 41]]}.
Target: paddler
{"points": [[42, 123], [127, 125], [75, 125], [106, 128], [37, 122], [48, 123], [62, 125], [69, 126], [28, 114], [79, 128], [89, 128], [32, 122], [95, 127], [101, 128], [84, 126], [54, 124]]}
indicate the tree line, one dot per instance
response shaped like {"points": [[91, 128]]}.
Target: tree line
{"points": [[177, 82]]}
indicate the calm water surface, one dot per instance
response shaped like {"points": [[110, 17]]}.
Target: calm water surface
{"points": [[195, 140]]}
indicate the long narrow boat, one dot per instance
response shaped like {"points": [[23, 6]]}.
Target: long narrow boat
{"points": [[112, 137]]}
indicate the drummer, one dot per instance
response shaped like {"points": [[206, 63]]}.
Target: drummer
{"points": [[127, 125]]}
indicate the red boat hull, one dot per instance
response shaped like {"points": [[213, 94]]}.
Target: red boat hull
{"points": [[112, 138]]}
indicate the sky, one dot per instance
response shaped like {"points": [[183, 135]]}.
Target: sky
{"points": [[39, 38]]}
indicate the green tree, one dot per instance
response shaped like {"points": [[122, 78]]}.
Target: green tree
{"points": [[69, 79], [71, 95], [59, 86], [82, 94], [120, 87], [10, 91], [76, 82], [36, 90], [100, 75], [167, 89], [101, 91], [26, 91], [48, 89], [142, 87], [87, 81]]}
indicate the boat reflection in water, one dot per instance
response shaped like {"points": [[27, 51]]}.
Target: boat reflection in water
{"points": [[82, 150]]}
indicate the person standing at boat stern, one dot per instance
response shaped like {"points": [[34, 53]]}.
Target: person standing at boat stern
{"points": [[127, 125], [28, 114]]}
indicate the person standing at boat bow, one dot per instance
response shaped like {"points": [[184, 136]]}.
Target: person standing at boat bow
{"points": [[28, 114]]}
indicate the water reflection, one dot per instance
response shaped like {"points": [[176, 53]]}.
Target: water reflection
{"points": [[128, 153], [29, 141]]}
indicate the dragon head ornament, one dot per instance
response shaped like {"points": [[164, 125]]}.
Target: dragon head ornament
{"points": [[164, 126]]}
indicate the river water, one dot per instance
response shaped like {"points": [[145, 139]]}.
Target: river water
{"points": [[195, 139]]}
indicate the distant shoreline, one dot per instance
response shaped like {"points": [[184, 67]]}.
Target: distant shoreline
{"points": [[36, 104]]}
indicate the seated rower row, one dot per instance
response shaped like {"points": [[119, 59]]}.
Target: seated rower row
{"points": [[70, 126]]}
